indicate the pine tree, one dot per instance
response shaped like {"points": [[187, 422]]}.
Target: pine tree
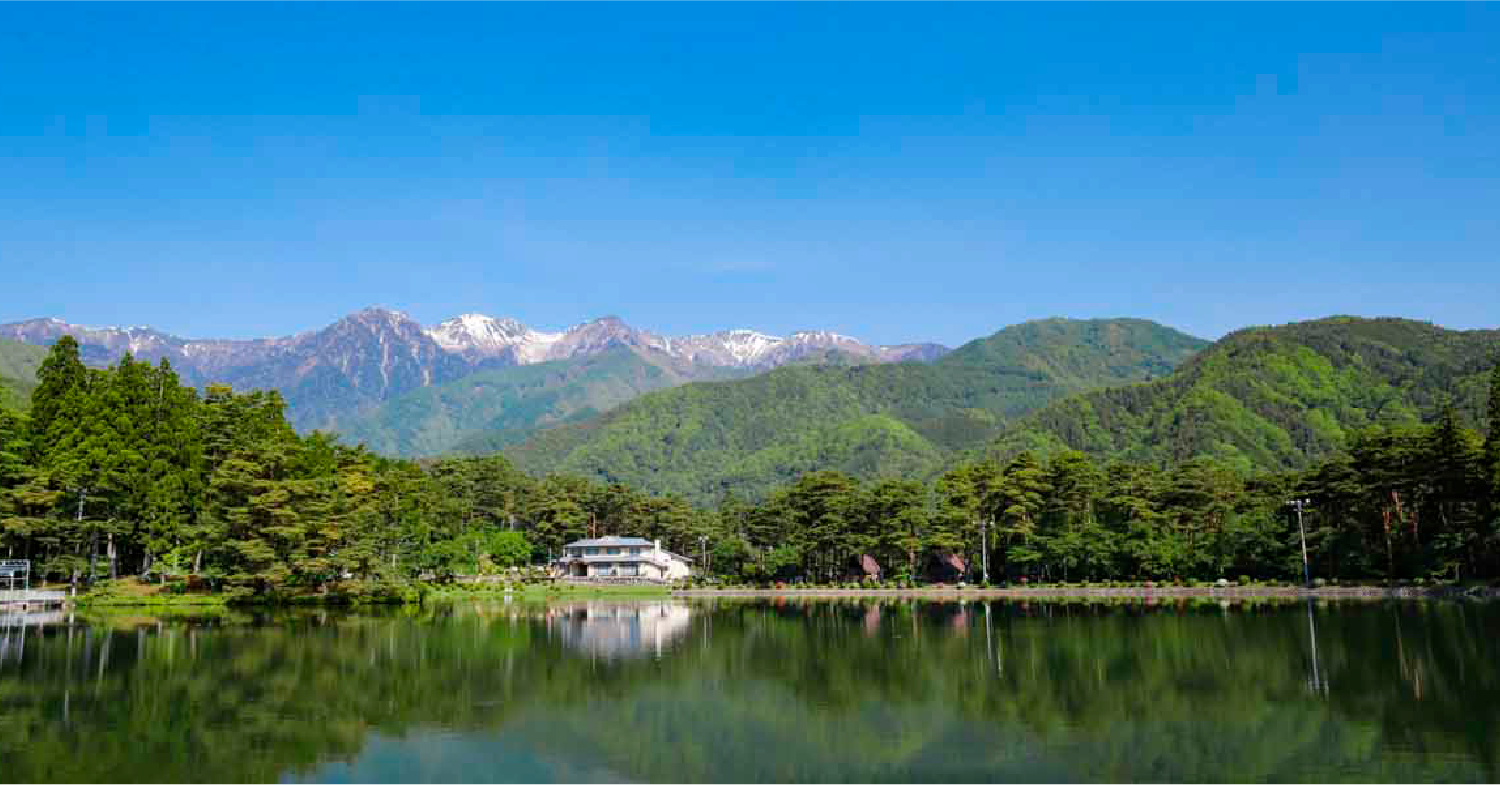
{"points": [[1070, 528], [893, 525], [1022, 491], [173, 465], [1492, 442], [821, 505], [1455, 479], [56, 403], [13, 448], [1490, 467]]}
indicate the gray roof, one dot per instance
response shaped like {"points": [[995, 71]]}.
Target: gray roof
{"points": [[606, 559], [609, 541]]}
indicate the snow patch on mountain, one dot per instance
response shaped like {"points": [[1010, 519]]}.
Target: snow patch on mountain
{"points": [[748, 346], [477, 335], [486, 335]]}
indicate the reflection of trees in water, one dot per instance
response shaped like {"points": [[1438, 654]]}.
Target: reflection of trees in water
{"points": [[793, 691]]}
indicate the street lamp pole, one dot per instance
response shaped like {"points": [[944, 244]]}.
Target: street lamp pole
{"points": [[984, 549], [1302, 532]]}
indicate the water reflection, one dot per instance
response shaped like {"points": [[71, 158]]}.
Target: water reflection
{"points": [[889, 690], [1315, 680], [619, 629]]}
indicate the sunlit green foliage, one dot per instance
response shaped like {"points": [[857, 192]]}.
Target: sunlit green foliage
{"points": [[124, 471], [494, 409], [18, 364], [898, 420], [1273, 398]]}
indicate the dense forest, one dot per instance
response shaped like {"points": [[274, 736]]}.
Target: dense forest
{"points": [[907, 419], [1271, 398], [1261, 400], [496, 408], [125, 471]]}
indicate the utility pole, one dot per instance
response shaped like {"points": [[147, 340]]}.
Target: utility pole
{"points": [[1302, 533], [984, 549], [83, 494]]}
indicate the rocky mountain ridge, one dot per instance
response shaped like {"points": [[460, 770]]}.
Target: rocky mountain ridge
{"points": [[375, 354], [477, 335]]}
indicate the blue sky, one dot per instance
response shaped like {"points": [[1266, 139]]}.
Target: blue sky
{"points": [[894, 172]]}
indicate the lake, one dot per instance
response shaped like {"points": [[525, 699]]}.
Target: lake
{"points": [[761, 690]]}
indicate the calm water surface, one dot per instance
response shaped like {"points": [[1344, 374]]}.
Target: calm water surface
{"points": [[761, 691]]}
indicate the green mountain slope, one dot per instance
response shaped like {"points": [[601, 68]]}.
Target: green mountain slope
{"points": [[870, 420], [490, 410], [18, 364], [1274, 397]]}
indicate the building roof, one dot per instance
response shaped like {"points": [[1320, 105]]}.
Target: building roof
{"points": [[610, 541], [607, 559], [604, 558]]}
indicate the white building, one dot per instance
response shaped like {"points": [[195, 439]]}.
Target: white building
{"points": [[622, 558]]}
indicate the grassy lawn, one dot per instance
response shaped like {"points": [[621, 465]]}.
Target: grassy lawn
{"points": [[543, 591], [135, 592]]}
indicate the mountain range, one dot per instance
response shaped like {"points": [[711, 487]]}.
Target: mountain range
{"points": [[1271, 398], [484, 337], [740, 411], [904, 419], [1262, 399], [334, 375]]}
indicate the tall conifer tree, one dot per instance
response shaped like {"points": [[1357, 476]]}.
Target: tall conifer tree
{"points": [[1492, 442], [56, 402]]}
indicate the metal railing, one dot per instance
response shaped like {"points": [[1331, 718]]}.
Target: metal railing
{"points": [[613, 579], [31, 597], [13, 571]]}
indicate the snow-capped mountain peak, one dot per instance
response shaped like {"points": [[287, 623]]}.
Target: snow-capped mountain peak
{"points": [[377, 353], [477, 334], [820, 336], [748, 346], [473, 330]]}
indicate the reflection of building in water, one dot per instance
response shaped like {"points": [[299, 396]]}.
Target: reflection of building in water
{"points": [[619, 629], [16, 625]]}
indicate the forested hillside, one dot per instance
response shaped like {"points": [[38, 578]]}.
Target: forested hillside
{"points": [[897, 420], [18, 364], [1272, 398], [126, 471], [492, 410], [495, 409]]}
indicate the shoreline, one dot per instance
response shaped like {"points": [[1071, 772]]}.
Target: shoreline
{"points": [[458, 592], [949, 593], [1231, 592]]}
